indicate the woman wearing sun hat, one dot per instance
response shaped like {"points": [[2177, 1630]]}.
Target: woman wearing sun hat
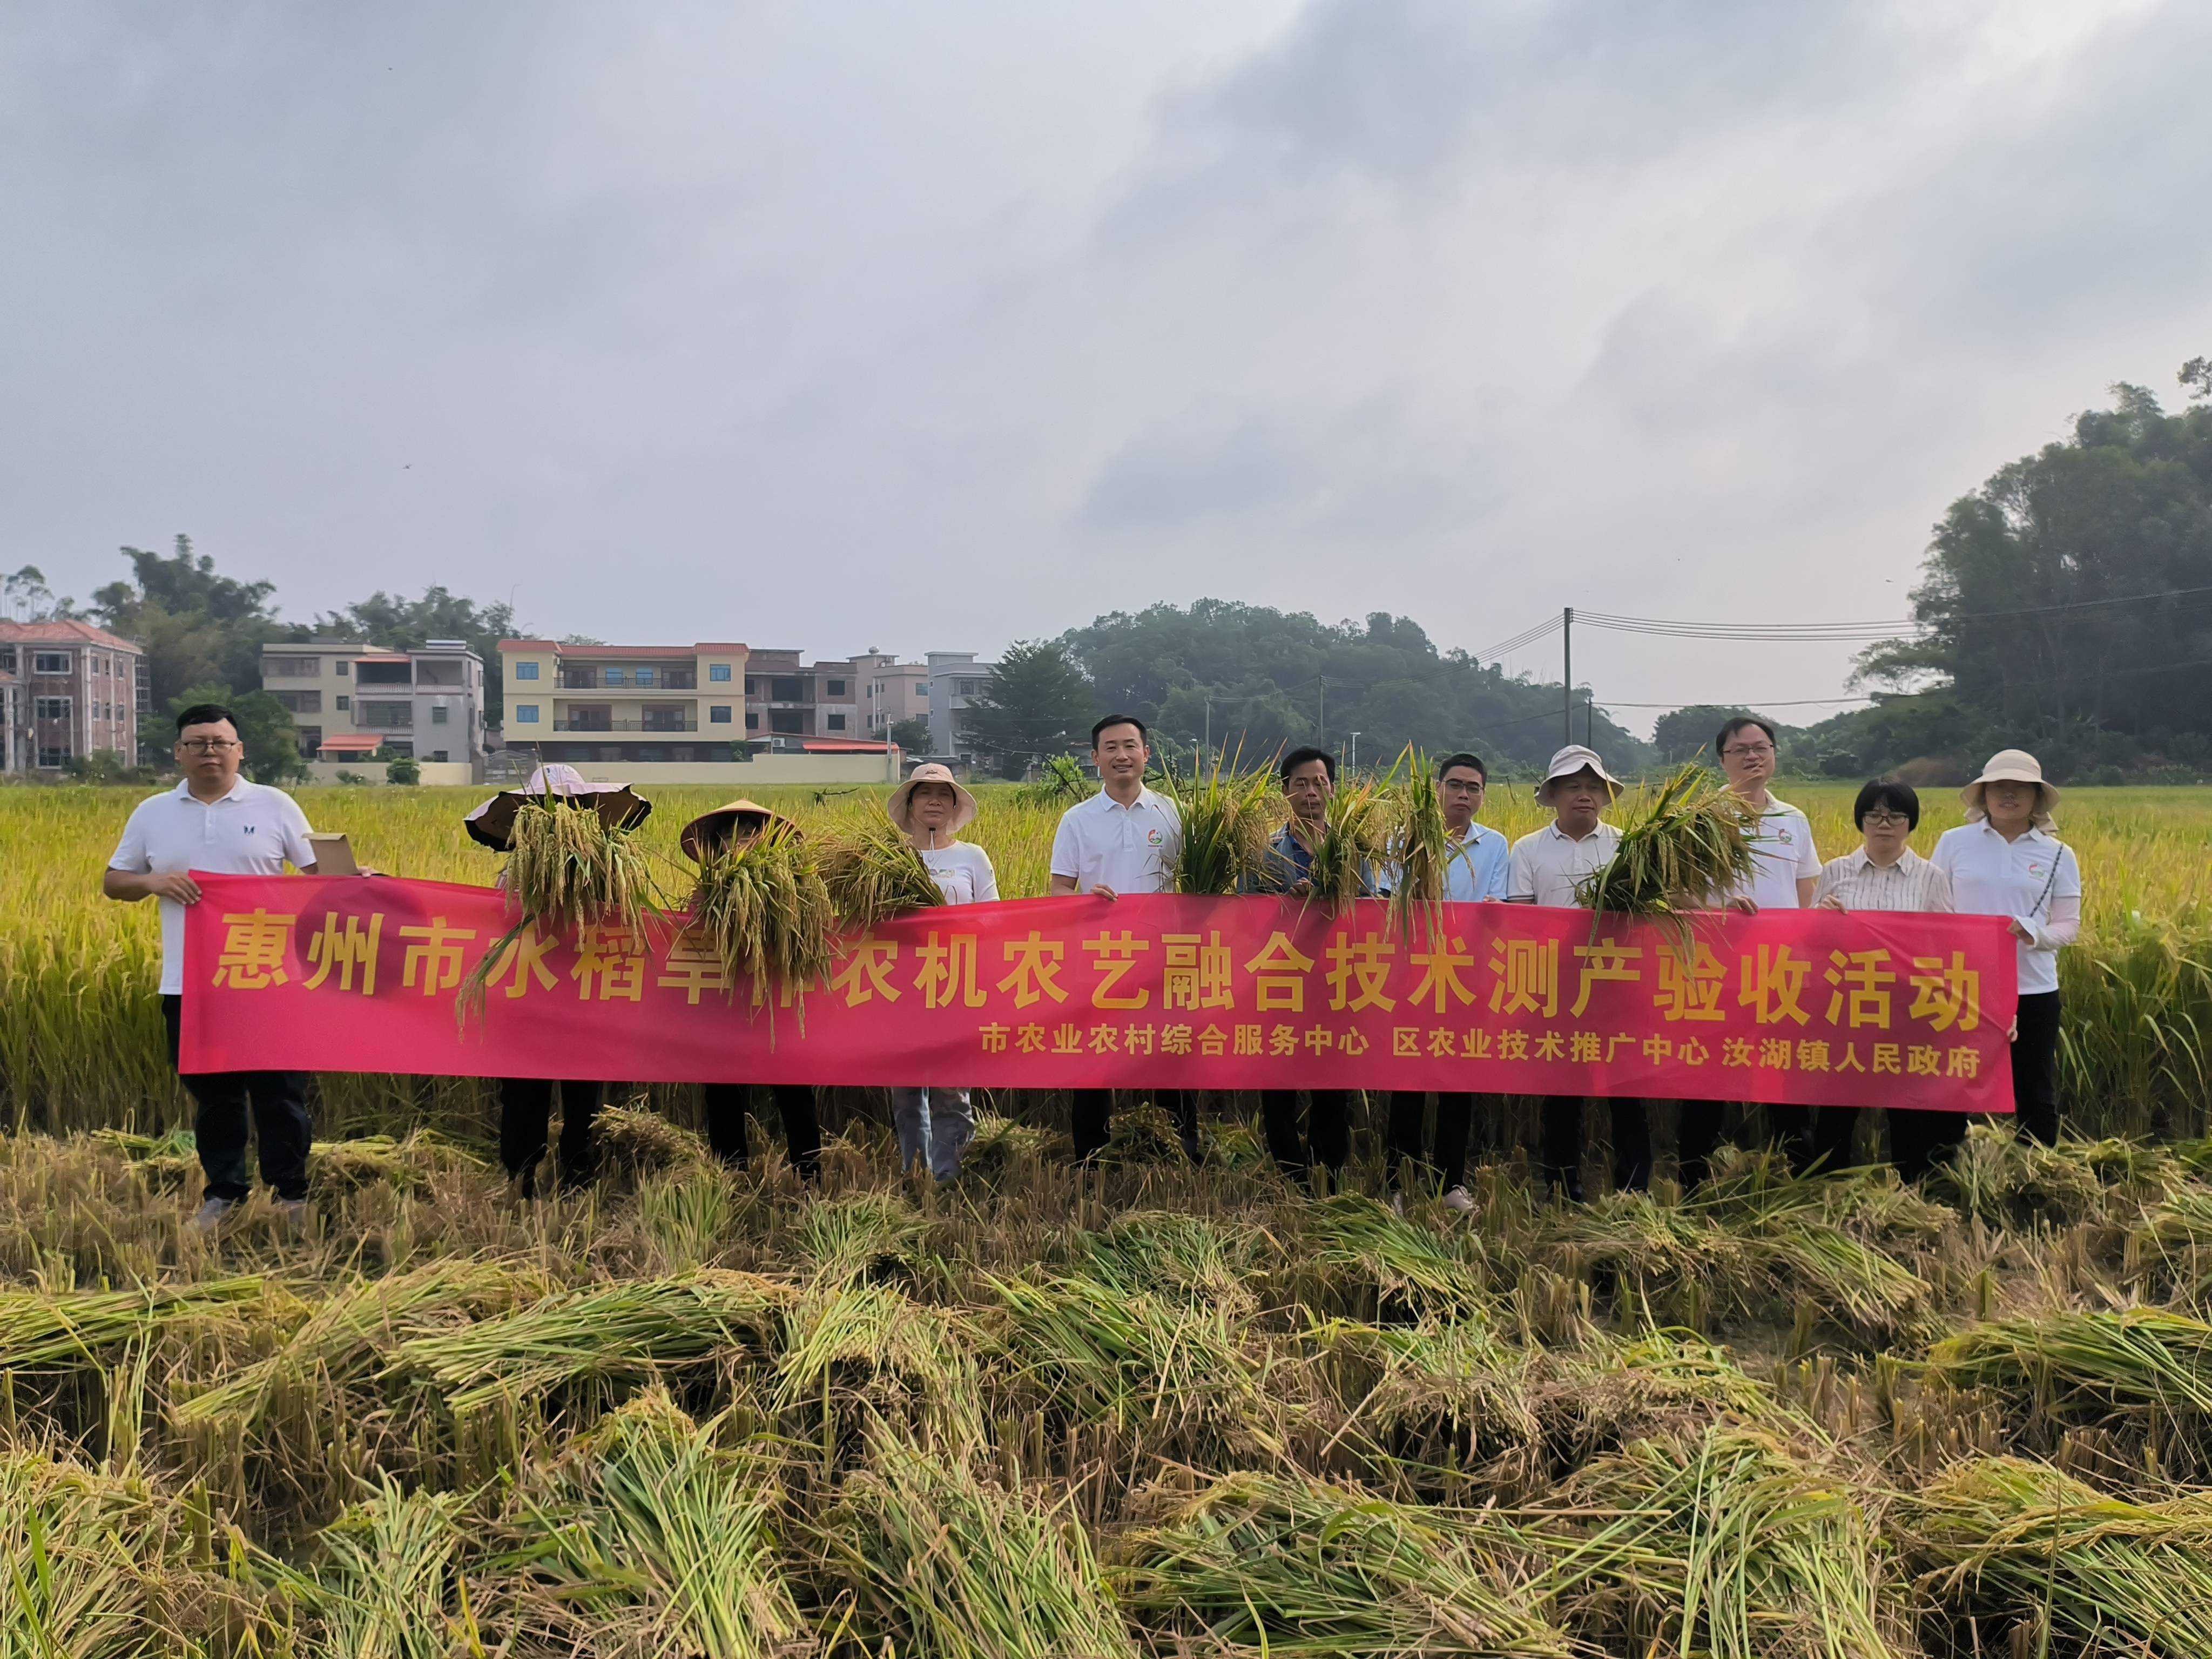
{"points": [[707, 836], [525, 1103], [2007, 861], [935, 1124]]}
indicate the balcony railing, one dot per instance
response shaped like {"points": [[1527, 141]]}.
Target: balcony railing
{"points": [[668, 725]]}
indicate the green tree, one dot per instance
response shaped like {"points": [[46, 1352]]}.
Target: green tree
{"points": [[197, 627], [1257, 678], [912, 735], [1686, 734], [1038, 704], [264, 726], [25, 596], [404, 624], [2055, 607]]}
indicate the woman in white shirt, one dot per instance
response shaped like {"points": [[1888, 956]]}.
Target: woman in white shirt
{"points": [[936, 1124], [1882, 873], [2006, 860]]}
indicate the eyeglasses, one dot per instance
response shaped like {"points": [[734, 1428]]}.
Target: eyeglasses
{"points": [[1748, 749], [1885, 819], [206, 745]]}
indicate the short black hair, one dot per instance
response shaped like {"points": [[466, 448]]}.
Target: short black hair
{"points": [[204, 713], [1884, 792], [1462, 758], [1730, 727], [1118, 720], [1299, 756]]}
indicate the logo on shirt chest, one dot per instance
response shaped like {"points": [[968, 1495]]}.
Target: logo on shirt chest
{"points": [[246, 829], [1155, 838]]}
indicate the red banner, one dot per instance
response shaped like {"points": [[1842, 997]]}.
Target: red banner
{"points": [[360, 974]]}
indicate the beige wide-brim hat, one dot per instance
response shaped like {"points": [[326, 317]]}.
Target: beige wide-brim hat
{"points": [[900, 805], [2010, 766], [1571, 760], [732, 814], [492, 825]]}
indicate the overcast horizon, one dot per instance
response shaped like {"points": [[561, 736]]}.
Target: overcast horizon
{"points": [[938, 328]]}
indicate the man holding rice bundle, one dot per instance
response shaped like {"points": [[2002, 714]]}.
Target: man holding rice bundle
{"points": [[215, 820], [1123, 840], [1547, 865], [1478, 873], [714, 836], [935, 1124], [1308, 779]]}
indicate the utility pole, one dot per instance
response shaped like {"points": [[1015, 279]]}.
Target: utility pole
{"points": [[1209, 727], [1567, 670], [1322, 679], [1354, 765]]}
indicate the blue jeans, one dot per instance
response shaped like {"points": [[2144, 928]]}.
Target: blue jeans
{"points": [[934, 1127]]}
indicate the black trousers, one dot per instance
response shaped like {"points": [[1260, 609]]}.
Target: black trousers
{"points": [[1328, 1138], [1563, 1144], [1697, 1136], [1811, 1135], [525, 1105], [1455, 1123], [279, 1104], [726, 1105], [1090, 1118], [2035, 1067]]}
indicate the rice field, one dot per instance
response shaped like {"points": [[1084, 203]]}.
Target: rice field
{"points": [[1151, 1410]]}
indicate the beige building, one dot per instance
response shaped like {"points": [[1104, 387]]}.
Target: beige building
{"points": [[349, 699], [74, 690], [890, 691]]}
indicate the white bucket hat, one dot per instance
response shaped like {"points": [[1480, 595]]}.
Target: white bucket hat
{"points": [[1571, 760], [900, 805], [2011, 766]]}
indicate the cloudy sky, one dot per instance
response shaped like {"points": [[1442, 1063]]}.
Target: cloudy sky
{"points": [[838, 325]]}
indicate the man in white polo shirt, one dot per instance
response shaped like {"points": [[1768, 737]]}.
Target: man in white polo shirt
{"points": [[1125, 839], [216, 821], [1547, 867], [1784, 869]]}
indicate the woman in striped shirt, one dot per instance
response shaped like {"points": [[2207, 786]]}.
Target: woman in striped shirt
{"points": [[1883, 873]]}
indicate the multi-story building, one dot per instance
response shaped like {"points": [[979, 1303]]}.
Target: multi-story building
{"points": [[955, 679], [349, 699], [79, 691], [890, 691], [672, 704]]}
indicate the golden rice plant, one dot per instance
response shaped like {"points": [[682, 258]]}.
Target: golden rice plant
{"points": [[761, 907], [1352, 844], [1420, 844], [1225, 817], [872, 871], [1684, 850], [566, 869]]}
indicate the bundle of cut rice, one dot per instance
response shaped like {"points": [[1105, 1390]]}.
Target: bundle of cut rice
{"points": [[872, 870], [1226, 825], [1687, 850], [761, 906]]}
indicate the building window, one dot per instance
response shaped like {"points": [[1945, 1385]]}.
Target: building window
{"points": [[752, 721], [784, 689], [921, 689], [614, 676], [51, 708], [792, 721], [8, 658], [525, 714], [439, 716], [525, 670], [52, 757], [437, 754], [836, 722], [386, 673], [644, 677], [344, 668], [717, 714], [292, 668], [749, 685], [344, 702], [836, 688], [50, 662], [301, 702], [387, 716], [718, 672]]}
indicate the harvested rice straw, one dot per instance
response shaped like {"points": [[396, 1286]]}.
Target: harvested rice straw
{"points": [[1226, 825], [1681, 852], [389, 1579], [1354, 842], [871, 871], [1420, 845], [761, 907], [947, 1566], [2002, 1537], [2140, 1364], [654, 1539], [565, 870], [40, 1331]]}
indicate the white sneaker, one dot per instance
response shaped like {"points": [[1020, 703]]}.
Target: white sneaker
{"points": [[1397, 1204], [292, 1216], [1457, 1199], [211, 1215]]}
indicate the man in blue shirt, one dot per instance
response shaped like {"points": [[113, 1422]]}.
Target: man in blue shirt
{"points": [[1477, 873]]}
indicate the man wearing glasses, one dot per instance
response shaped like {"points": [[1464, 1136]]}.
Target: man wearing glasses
{"points": [[1481, 859], [1784, 867], [215, 820]]}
